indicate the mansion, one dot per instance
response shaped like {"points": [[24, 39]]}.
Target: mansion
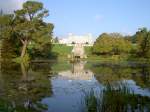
{"points": [[86, 40]]}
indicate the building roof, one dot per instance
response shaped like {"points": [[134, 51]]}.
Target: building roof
{"points": [[77, 39]]}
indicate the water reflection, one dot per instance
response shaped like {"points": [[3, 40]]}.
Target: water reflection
{"points": [[69, 86], [74, 87], [22, 89], [113, 72], [116, 98], [77, 72]]}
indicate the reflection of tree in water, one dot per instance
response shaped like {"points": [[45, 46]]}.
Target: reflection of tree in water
{"points": [[142, 76], [111, 73], [23, 89], [41, 67]]}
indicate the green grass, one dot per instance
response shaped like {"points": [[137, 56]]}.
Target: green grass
{"points": [[61, 50]]}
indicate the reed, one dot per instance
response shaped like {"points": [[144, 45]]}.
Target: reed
{"points": [[116, 98]]}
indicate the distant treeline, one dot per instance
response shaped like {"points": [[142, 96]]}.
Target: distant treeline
{"points": [[137, 45]]}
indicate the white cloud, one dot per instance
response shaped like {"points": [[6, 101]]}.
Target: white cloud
{"points": [[9, 6]]}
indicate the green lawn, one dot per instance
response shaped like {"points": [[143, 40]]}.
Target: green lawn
{"points": [[61, 50]]}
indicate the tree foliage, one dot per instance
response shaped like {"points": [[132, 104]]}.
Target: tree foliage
{"points": [[25, 27], [113, 43], [10, 46], [143, 42]]}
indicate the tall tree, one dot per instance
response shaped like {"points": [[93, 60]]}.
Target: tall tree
{"points": [[143, 42], [30, 20], [25, 27]]}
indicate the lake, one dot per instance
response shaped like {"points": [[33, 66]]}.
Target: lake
{"points": [[84, 86]]}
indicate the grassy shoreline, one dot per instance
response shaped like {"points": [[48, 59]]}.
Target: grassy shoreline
{"points": [[62, 51]]}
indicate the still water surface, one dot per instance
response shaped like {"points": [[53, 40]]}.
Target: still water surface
{"points": [[75, 87]]}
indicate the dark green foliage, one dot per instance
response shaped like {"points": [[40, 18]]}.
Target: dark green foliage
{"points": [[116, 98], [143, 42], [23, 88], [7, 52], [112, 72], [131, 38], [41, 47], [91, 102], [56, 40], [10, 45], [25, 32], [34, 30]]}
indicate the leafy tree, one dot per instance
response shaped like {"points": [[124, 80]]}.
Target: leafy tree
{"points": [[31, 16], [143, 42], [8, 37], [56, 40], [130, 38], [26, 28], [121, 45], [113, 43], [103, 44], [41, 47]]}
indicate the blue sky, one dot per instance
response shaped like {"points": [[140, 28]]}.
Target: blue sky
{"points": [[92, 16], [98, 16]]}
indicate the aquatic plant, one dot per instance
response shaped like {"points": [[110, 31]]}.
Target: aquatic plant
{"points": [[116, 98]]}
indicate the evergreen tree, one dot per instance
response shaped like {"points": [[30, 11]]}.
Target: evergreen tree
{"points": [[26, 28]]}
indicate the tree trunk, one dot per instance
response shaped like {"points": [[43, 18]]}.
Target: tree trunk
{"points": [[24, 72], [23, 52]]}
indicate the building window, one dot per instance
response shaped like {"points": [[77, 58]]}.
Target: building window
{"points": [[86, 42], [73, 42]]}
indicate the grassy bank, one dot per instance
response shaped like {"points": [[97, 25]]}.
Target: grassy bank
{"points": [[113, 58], [62, 51], [90, 56]]}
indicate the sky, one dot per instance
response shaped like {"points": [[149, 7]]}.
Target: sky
{"points": [[92, 16]]}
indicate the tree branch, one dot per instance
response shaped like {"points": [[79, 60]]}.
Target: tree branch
{"points": [[22, 41]]}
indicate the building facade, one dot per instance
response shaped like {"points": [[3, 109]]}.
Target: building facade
{"points": [[86, 40]]}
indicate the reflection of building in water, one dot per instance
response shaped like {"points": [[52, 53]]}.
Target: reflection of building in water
{"points": [[69, 89], [77, 73]]}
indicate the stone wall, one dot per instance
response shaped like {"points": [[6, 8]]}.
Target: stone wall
{"points": [[78, 51]]}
